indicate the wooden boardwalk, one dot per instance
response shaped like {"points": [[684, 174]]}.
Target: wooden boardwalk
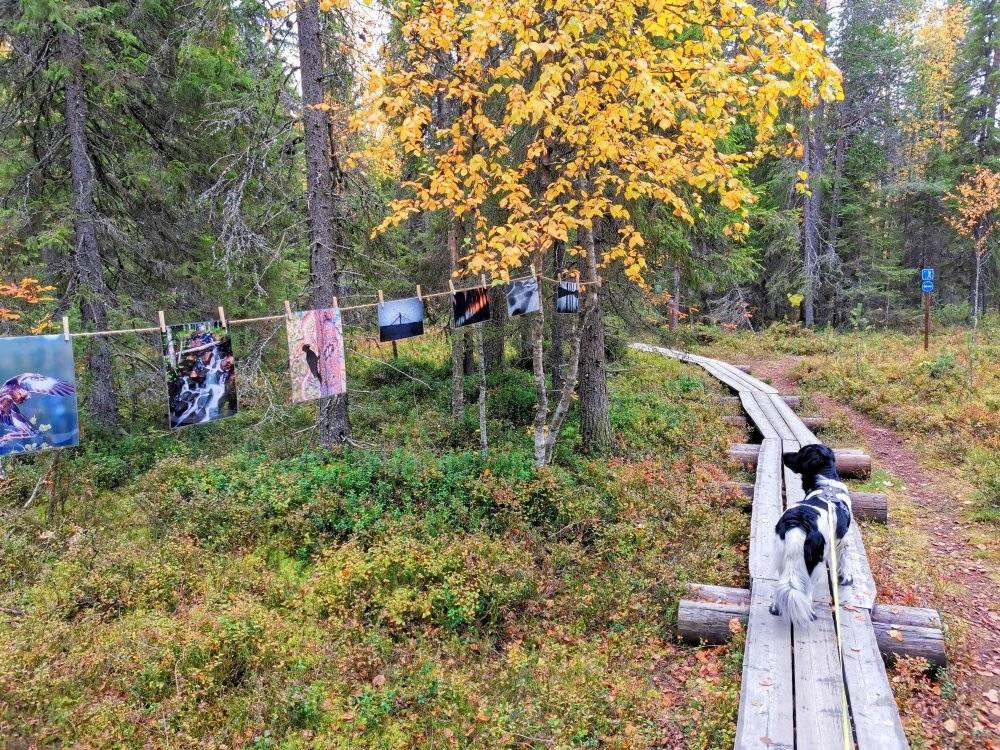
{"points": [[792, 690]]}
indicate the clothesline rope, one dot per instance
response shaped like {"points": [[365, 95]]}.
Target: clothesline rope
{"points": [[264, 318]]}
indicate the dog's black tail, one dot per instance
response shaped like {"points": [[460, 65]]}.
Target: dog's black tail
{"points": [[793, 595]]}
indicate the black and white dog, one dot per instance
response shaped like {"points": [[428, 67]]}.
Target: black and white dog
{"points": [[802, 534]]}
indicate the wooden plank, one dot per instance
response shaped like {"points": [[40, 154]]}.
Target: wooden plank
{"points": [[819, 683], [873, 707], [749, 380], [863, 591], [803, 435], [757, 416], [764, 402], [766, 719], [765, 512], [720, 374]]}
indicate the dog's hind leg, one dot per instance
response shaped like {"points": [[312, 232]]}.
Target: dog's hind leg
{"points": [[845, 561]]}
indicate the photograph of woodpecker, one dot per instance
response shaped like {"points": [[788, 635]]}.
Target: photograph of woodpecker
{"points": [[37, 394], [316, 354]]}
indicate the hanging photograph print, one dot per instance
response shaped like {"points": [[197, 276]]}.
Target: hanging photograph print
{"points": [[37, 394], [316, 354], [568, 297], [201, 373], [523, 297], [470, 306], [400, 319]]}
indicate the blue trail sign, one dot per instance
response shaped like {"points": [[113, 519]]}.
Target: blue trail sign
{"points": [[927, 287], [927, 274]]}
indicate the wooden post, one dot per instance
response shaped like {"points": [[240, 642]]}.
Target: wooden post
{"points": [[927, 320]]}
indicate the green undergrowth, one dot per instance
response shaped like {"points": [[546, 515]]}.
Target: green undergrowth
{"points": [[235, 586]]}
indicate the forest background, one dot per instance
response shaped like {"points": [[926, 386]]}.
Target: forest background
{"points": [[792, 170]]}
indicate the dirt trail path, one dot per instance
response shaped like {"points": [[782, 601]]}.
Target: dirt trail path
{"points": [[959, 583]]}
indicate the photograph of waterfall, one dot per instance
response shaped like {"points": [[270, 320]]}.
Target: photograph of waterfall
{"points": [[201, 373], [37, 394], [400, 319], [568, 297], [470, 306], [523, 297], [316, 354]]}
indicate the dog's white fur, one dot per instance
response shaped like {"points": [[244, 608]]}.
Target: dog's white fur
{"points": [[793, 597]]}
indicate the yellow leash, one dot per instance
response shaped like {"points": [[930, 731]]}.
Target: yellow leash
{"points": [[845, 720]]}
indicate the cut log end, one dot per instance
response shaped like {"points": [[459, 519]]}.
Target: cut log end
{"points": [[707, 613]]}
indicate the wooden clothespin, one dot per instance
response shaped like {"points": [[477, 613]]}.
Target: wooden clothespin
{"points": [[163, 321], [288, 310], [420, 294], [534, 273], [381, 297], [222, 318], [336, 304], [482, 279], [65, 328], [451, 285]]}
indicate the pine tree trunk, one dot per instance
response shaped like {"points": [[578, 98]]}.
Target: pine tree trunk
{"points": [[811, 212], [324, 186], [484, 444], [88, 267], [595, 423], [839, 153], [675, 298]]}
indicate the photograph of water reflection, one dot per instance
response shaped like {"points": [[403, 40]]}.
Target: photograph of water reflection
{"points": [[201, 373]]}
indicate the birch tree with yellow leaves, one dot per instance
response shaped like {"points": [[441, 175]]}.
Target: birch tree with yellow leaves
{"points": [[569, 114]]}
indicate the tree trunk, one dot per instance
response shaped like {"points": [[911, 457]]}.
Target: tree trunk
{"points": [[839, 153], [483, 438], [811, 212], [541, 428], [595, 424], [87, 257], [457, 336], [675, 298], [557, 352], [324, 186], [495, 331]]}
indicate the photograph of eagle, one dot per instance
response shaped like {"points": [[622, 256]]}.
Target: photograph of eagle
{"points": [[18, 389]]}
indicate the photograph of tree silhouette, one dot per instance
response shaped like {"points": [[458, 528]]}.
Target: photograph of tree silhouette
{"points": [[400, 319]]}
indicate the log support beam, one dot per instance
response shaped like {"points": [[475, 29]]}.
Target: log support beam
{"points": [[851, 462], [705, 615], [868, 506]]}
